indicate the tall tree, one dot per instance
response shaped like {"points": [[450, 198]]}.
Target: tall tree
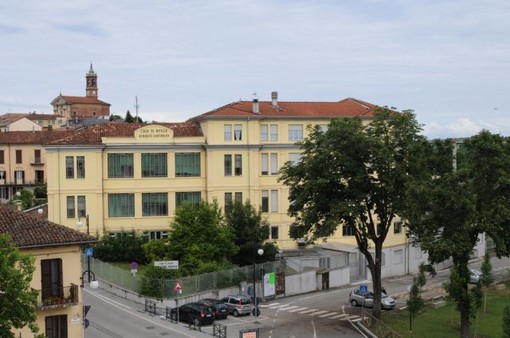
{"points": [[200, 237], [455, 205], [17, 299], [487, 278], [129, 118], [250, 233], [354, 175]]}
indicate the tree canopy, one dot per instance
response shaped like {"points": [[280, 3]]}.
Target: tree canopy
{"points": [[457, 203], [250, 233], [17, 299], [200, 238], [354, 175]]}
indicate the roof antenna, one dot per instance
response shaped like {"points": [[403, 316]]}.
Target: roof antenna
{"points": [[136, 108]]}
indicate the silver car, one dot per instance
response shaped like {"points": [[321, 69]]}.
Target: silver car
{"points": [[475, 275], [366, 299], [238, 305]]}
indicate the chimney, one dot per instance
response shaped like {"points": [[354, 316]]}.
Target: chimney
{"points": [[255, 106], [274, 99]]}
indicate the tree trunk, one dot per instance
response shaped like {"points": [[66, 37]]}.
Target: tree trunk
{"points": [[464, 320], [376, 281]]}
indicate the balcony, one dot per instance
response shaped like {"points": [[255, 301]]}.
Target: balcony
{"points": [[37, 161], [59, 297]]}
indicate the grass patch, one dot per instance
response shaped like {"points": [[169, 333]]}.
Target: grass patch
{"points": [[445, 322]]}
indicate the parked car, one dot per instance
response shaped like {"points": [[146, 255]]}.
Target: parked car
{"points": [[238, 305], [220, 309], [475, 275], [194, 313], [366, 299]]}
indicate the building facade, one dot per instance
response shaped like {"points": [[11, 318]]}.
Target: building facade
{"points": [[57, 276]]}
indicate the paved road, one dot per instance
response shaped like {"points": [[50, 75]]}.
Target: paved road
{"points": [[319, 315]]}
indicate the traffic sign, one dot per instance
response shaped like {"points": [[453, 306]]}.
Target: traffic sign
{"points": [[173, 265], [177, 286], [363, 288], [89, 251]]}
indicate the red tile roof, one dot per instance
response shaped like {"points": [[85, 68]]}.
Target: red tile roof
{"points": [[29, 232], [346, 108], [83, 99], [9, 118], [33, 137], [93, 134]]}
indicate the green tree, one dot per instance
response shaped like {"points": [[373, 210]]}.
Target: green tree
{"points": [[129, 118], [356, 176], [487, 278], [416, 302], [25, 197], [455, 205], [123, 247], [198, 236], [156, 249], [250, 233], [506, 322], [154, 281], [114, 117], [17, 299]]}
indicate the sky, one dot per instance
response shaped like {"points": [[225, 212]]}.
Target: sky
{"points": [[447, 60]]}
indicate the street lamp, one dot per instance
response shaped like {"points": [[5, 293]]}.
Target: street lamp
{"points": [[94, 284], [256, 311]]}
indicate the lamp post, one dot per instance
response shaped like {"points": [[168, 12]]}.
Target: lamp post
{"points": [[256, 312], [94, 284]]}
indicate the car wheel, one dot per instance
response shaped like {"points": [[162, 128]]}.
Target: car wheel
{"points": [[235, 313], [354, 302], [196, 322]]}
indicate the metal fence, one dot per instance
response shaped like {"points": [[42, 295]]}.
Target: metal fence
{"points": [[191, 284]]}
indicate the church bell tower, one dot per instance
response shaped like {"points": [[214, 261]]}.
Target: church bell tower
{"points": [[91, 89]]}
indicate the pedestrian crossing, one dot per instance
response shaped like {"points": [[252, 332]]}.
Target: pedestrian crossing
{"points": [[310, 311]]}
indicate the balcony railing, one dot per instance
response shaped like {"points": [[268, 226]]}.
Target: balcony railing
{"points": [[50, 298]]}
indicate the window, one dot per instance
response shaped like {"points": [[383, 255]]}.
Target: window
{"points": [[274, 132], [70, 207], [80, 167], [295, 132], [121, 205], [274, 163], [51, 278], [228, 165], [238, 169], [227, 132], [69, 167], [238, 196], [228, 201], [187, 164], [155, 204], [192, 197], [397, 227], [19, 156], [3, 193], [274, 200], [264, 164], [294, 158], [39, 176], [56, 326], [20, 176], [263, 132], [82, 210], [2, 175], [265, 200], [238, 136], [347, 230], [324, 127], [154, 165], [274, 232], [37, 156], [120, 165], [2, 157], [155, 234]]}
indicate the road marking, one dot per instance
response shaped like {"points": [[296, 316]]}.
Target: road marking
{"points": [[328, 314], [343, 315], [318, 312], [308, 311], [298, 309], [268, 305]]}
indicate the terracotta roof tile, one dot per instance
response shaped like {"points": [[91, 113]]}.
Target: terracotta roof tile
{"points": [[83, 99], [28, 231], [33, 137], [349, 107], [93, 134]]}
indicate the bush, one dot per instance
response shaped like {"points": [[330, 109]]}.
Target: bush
{"points": [[154, 281], [124, 247]]}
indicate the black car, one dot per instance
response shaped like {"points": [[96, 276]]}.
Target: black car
{"points": [[220, 309], [194, 313]]}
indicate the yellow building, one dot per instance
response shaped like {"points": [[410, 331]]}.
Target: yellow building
{"points": [[132, 176], [57, 253]]}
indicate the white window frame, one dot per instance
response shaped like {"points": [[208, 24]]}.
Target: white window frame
{"points": [[295, 132]]}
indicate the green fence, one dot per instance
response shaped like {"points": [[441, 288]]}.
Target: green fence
{"points": [[191, 284]]}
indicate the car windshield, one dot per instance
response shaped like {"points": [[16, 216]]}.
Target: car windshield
{"points": [[245, 301]]}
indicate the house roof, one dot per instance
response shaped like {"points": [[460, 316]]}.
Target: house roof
{"points": [[33, 137], [41, 117], [9, 118], [80, 100], [29, 231], [93, 134], [349, 107]]}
